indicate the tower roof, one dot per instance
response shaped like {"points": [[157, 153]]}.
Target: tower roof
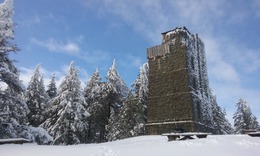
{"points": [[170, 35], [176, 29]]}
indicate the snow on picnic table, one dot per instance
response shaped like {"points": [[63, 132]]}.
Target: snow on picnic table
{"points": [[213, 145], [14, 140]]}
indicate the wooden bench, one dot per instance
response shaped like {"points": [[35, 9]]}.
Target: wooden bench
{"points": [[254, 134], [14, 141], [185, 136]]}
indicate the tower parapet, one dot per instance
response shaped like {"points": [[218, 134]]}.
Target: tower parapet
{"points": [[158, 51]]}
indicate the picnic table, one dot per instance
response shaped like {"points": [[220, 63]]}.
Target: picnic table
{"points": [[185, 136], [14, 141], [254, 134]]}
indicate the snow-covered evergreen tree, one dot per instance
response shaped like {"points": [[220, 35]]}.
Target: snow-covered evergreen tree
{"points": [[141, 83], [13, 108], [141, 86], [92, 88], [117, 94], [220, 122], [36, 98], [7, 26], [96, 94], [117, 88], [254, 123], [243, 118], [67, 122], [132, 116], [9, 74], [130, 120], [133, 113], [13, 112], [52, 89], [112, 127]]}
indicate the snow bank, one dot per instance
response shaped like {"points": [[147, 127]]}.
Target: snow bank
{"points": [[228, 145]]}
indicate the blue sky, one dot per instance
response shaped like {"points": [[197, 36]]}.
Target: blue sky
{"points": [[94, 32]]}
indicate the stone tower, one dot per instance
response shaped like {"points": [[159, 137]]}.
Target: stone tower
{"points": [[179, 94]]}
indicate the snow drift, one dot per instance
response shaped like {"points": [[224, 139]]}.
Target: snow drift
{"points": [[215, 145]]}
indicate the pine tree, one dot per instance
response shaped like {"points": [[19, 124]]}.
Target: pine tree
{"points": [[52, 89], [117, 94], [96, 94], [132, 116], [141, 83], [243, 118], [117, 88], [227, 127], [137, 103], [67, 122], [220, 122], [254, 123], [130, 120], [36, 98], [141, 87], [9, 74], [112, 126], [13, 109], [13, 112]]}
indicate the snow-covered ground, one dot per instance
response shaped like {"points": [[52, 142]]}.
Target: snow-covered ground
{"points": [[214, 145]]}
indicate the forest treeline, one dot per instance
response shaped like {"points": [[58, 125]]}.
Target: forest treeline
{"points": [[69, 114]]}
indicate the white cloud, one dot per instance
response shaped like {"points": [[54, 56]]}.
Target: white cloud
{"points": [[73, 48], [53, 45], [95, 57], [199, 12], [250, 60], [34, 19], [244, 57], [70, 48], [220, 69], [136, 14], [224, 72], [135, 61]]}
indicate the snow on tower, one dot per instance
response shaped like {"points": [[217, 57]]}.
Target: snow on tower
{"points": [[179, 93]]}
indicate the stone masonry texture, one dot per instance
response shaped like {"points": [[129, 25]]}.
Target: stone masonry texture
{"points": [[178, 85]]}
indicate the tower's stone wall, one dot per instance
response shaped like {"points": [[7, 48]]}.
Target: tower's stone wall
{"points": [[178, 84]]}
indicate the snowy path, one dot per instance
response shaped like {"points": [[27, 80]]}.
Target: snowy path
{"points": [[230, 145]]}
